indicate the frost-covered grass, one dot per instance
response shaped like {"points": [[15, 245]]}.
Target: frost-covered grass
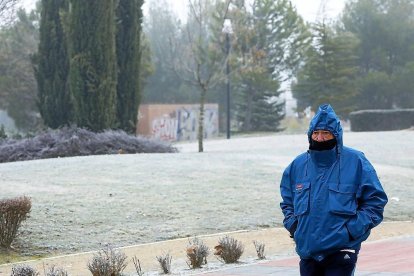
{"points": [[80, 203], [72, 141]]}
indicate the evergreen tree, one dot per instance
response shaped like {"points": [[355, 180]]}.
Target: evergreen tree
{"points": [[329, 75], [404, 86], [162, 27], [18, 94], [271, 40], [146, 65], [375, 91], [258, 105], [51, 64], [129, 18], [385, 29], [93, 65]]}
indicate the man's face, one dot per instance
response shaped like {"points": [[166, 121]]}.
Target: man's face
{"points": [[322, 135]]}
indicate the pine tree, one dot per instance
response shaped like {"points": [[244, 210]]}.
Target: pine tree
{"points": [[51, 65], [385, 29], [129, 19], [270, 43], [330, 72], [258, 105], [93, 68]]}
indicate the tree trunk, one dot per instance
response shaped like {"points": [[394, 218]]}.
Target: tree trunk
{"points": [[200, 133], [247, 124]]}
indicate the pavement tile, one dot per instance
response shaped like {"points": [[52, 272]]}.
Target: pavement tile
{"points": [[391, 257]]}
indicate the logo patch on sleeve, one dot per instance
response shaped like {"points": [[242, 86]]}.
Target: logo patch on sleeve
{"points": [[299, 187]]}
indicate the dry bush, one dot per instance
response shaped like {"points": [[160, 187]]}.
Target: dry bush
{"points": [[23, 270], [165, 263], [260, 247], [197, 253], [108, 262], [72, 141], [137, 265], [229, 250], [56, 271], [12, 212]]}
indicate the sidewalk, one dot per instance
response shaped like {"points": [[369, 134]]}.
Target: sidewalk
{"points": [[389, 257], [389, 251]]}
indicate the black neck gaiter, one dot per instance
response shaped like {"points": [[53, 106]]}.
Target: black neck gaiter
{"points": [[325, 145]]}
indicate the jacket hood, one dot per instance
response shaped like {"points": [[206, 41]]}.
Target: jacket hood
{"points": [[326, 119]]}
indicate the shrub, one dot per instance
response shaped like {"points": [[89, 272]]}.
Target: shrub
{"points": [[165, 263], [108, 262], [381, 119], [229, 250], [137, 265], [56, 271], [12, 212], [23, 270], [259, 249], [197, 253], [71, 141]]}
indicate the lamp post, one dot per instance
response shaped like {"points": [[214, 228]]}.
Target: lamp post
{"points": [[227, 30]]}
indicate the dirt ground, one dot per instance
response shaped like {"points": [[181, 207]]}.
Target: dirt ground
{"points": [[276, 240]]}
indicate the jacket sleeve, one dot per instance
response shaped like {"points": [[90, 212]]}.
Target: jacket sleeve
{"points": [[371, 201], [287, 199]]}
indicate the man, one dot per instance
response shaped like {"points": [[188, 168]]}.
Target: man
{"points": [[332, 198]]}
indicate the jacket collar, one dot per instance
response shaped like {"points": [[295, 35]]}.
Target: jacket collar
{"points": [[323, 158]]}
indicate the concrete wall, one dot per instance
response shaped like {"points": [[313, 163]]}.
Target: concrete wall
{"points": [[176, 122]]}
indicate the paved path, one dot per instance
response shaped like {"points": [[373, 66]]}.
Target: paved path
{"points": [[390, 257]]}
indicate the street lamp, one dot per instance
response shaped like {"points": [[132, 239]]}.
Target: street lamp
{"points": [[228, 30]]}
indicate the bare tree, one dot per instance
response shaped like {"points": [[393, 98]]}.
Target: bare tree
{"points": [[6, 10], [7, 4], [200, 60]]}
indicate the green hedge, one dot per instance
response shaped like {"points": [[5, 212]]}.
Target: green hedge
{"points": [[381, 119]]}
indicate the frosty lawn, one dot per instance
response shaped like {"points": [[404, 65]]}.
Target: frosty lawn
{"points": [[81, 203]]}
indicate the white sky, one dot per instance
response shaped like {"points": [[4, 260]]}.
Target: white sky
{"points": [[307, 8], [28, 4]]}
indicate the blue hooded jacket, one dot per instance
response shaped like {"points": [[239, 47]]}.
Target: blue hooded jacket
{"points": [[334, 196]]}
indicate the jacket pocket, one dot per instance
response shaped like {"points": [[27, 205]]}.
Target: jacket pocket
{"points": [[342, 199], [301, 202]]}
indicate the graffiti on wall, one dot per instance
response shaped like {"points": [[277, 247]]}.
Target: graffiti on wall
{"points": [[164, 128], [182, 124]]}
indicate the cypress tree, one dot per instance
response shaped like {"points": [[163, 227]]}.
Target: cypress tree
{"points": [[51, 66], [129, 18], [92, 75]]}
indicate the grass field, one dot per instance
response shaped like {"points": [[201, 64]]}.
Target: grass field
{"points": [[81, 203]]}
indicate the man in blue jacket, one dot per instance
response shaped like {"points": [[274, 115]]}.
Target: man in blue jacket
{"points": [[332, 198]]}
